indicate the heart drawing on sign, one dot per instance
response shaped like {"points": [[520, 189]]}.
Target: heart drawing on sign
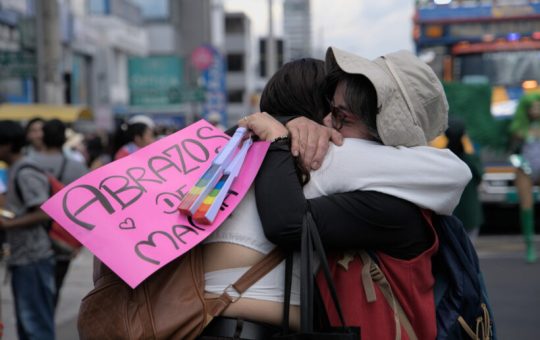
{"points": [[127, 224]]}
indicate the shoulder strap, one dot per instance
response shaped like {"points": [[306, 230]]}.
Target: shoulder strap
{"points": [[254, 274], [315, 242], [371, 272], [62, 168], [258, 270], [287, 297]]}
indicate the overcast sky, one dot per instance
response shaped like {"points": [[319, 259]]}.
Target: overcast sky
{"points": [[366, 27]]}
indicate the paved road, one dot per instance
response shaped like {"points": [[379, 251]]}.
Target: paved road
{"points": [[513, 286], [514, 289], [77, 283]]}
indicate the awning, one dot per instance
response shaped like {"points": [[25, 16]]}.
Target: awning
{"points": [[66, 113]]}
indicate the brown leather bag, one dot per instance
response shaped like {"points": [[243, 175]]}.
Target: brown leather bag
{"points": [[170, 304]]}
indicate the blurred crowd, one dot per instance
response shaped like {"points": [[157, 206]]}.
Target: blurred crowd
{"points": [[37, 158], [96, 148]]}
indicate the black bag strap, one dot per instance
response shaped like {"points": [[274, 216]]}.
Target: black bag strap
{"points": [[287, 291], [319, 248], [306, 279], [310, 244]]}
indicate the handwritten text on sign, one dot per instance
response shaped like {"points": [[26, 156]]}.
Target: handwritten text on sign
{"points": [[126, 212]]}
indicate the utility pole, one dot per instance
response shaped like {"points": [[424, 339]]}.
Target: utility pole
{"points": [[49, 53], [271, 44]]}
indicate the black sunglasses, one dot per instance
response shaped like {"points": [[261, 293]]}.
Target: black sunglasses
{"points": [[340, 116]]}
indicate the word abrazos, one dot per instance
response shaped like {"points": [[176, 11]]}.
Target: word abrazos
{"points": [[119, 191]]}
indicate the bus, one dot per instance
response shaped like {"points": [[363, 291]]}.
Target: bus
{"points": [[494, 44]]}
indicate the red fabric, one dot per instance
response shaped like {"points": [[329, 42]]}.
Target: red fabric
{"points": [[58, 233], [121, 153], [126, 150], [412, 283]]}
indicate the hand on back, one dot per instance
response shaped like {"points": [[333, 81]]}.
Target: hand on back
{"points": [[309, 140], [264, 126]]}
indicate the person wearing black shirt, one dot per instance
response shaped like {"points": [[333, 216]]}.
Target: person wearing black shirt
{"points": [[369, 102]]}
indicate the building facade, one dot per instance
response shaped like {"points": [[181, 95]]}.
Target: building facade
{"points": [[17, 53], [121, 35], [97, 53], [69, 52], [240, 76], [297, 29], [176, 29]]}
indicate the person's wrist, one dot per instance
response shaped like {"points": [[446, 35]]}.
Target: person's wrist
{"points": [[280, 139], [278, 134], [292, 120]]}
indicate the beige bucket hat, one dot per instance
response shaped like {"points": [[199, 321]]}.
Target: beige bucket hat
{"points": [[413, 106]]}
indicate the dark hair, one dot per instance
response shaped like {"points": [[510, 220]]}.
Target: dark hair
{"points": [[297, 89], [54, 133], [125, 133], [454, 133], [360, 96], [12, 133], [95, 148], [31, 122], [136, 129]]}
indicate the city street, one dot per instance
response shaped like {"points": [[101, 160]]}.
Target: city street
{"points": [[123, 103], [78, 281], [514, 289]]}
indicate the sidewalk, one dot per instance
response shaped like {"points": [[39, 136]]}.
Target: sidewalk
{"points": [[513, 285], [502, 246], [77, 283]]}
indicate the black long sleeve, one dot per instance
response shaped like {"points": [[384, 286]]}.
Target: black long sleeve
{"points": [[357, 219]]}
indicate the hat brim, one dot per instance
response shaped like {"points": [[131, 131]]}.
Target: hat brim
{"points": [[397, 87], [390, 118], [353, 64]]}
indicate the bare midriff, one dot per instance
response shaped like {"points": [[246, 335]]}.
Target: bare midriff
{"points": [[218, 256]]}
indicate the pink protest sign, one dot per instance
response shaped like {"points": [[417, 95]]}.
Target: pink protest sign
{"points": [[126, 213]]}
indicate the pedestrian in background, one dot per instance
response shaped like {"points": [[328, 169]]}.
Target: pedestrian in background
{"points": [[136, 134], [469, 209], [95, 151], [34, 136], [525, 130], [214, 118], [31, 261], [74, 146], [66, 169]]}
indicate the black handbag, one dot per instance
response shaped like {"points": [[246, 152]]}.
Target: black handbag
{"points": [[310, 245]]}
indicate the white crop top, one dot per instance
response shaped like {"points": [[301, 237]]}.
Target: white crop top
{"points": [[243, 227], [429, 177]]}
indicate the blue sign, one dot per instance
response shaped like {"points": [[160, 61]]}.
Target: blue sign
{"points": [[214, 84], [482, 11]]}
